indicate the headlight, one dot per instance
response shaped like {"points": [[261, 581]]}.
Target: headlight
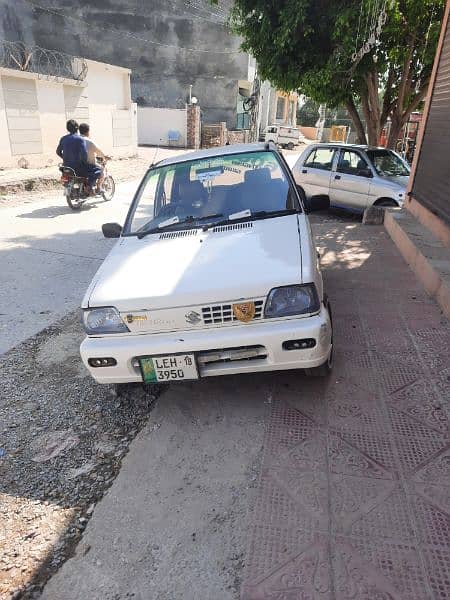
{"points": [[292, 300], [103, 320]]}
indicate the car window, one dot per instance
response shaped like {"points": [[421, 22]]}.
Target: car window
{"points": [[320, 158], [351, 163], [220, 185], [388, 164]]}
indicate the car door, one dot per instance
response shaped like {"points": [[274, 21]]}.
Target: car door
{"points": [[350, 183], [315, 172]]}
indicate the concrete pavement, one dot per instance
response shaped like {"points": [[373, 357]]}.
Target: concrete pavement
{"points": [[48, 255], [352, 498]]}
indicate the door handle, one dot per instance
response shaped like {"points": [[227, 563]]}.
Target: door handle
{"points": [[304, 171], [337, 176]]}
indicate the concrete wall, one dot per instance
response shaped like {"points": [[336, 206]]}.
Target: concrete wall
{"points": [[34, 110], [161, 42], [154, 124]]}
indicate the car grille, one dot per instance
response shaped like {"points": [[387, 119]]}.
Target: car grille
{"points": [[223, 313]]}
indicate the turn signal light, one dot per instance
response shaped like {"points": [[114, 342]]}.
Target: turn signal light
{"points": [[299, 344], [102, 362]]}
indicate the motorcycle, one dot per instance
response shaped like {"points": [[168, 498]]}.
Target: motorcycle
{"points": [[77, 189]]}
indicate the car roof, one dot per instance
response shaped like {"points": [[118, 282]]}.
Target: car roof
{"points": [[342, 145], [217, 151]]}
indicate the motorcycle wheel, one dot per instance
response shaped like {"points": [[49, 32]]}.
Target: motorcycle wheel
{"points": [[108, 189], [74, 203]]}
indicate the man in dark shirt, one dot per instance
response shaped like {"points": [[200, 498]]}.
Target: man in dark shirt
{"points": [[72, 148]]}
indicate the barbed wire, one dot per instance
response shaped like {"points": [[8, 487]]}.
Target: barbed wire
{"points": [[50, 64]]}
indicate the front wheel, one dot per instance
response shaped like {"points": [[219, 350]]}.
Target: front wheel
{"points": [[108, 188], [290, 146]]}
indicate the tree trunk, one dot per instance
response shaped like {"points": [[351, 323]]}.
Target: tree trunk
{"points": [[372, 123], [354, 115], [395, 130]]}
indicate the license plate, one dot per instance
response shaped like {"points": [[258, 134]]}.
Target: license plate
{"points": [[175, 367]]}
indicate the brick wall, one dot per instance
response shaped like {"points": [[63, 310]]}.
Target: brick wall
{"points": [[193, 127]]}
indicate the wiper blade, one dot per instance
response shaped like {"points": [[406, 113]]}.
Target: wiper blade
{"points": [[170, 223]]}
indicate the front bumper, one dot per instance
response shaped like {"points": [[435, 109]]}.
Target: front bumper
{"points": [[269, 335]]}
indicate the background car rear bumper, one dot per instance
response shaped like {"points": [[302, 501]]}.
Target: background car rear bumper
{"points": [[267, 337]]}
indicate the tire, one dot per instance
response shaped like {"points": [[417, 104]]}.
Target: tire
{"points": [[109, 188], [386, 203], [324, 369], [73, 204], [290, 146]]}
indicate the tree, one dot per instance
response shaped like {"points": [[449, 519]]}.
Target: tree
{"points": [[307, 45]]}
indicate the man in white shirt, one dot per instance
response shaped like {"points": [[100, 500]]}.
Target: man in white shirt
{"points": [[94, 172]]}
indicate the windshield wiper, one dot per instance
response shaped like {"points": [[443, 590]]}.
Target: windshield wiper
{"points": [[261, 214], [190, 219]]}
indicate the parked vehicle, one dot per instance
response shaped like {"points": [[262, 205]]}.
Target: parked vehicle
{"points": [[283, 136], [215, 273], [77, 190], [351, 176]]}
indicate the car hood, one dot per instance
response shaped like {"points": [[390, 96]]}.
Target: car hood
{"points": [[172, 269], [400, 180]]}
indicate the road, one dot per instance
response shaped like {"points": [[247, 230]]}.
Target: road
{"points": [[48, 255]]}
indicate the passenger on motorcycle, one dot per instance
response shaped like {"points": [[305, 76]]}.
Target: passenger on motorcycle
{"points": [[93, 171], [72, 148]]}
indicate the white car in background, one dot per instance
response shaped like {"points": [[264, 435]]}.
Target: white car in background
{"points": [[215, 272], [351, 176]]}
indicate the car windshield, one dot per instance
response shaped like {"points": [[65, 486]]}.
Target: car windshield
{"points": [[387, 163], [209, 190]]}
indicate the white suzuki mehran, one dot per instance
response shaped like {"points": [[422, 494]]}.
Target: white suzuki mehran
{"points": [[215, 272]]}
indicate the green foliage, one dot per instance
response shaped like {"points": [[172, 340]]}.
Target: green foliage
{"points": [[307, 45]]}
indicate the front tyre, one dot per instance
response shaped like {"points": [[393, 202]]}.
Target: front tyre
{"points": [[108, 188]]}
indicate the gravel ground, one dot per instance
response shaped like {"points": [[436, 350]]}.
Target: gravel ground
{"points": [[62, 439]]}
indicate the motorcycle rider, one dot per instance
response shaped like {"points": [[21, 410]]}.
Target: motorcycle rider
{"points": [[72, 148], [93, 171]]}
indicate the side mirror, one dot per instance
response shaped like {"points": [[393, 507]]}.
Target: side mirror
{"points": [[317, 203], [365, 173], [111, 230]]}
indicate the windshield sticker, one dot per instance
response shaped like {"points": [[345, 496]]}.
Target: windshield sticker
{"points": [[209, 173]]}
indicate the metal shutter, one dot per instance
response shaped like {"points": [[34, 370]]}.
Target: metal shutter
{"points": [[22, 115]]}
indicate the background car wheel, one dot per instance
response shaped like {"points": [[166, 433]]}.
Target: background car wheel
{"points": [[386, 203], [290, 146]]}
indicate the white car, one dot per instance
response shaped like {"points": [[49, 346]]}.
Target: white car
{"points": [[352, 177], [215, 272]]}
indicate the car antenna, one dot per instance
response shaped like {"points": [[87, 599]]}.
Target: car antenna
{"points": [[156, 152]]}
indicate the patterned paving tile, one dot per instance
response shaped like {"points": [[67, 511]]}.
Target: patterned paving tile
{"points": [[287, 427], [436, 470], [437, 564], [375, 570], [423, 401], [372, 508], [433, 524], [305, 576], [354, 496], [376, 451]]}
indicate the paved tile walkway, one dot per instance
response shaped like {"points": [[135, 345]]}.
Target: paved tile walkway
{"points": [[354, 494]]}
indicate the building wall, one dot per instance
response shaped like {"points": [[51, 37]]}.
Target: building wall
{"points": [[161, 42], [430, 177], [154, 125], [34, 110]]}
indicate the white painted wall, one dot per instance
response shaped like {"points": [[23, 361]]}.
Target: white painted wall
{"points": [[104, 101], [154, 124]]}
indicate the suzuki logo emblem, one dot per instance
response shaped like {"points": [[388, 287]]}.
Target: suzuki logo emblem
{"points": [[193, 318]]}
